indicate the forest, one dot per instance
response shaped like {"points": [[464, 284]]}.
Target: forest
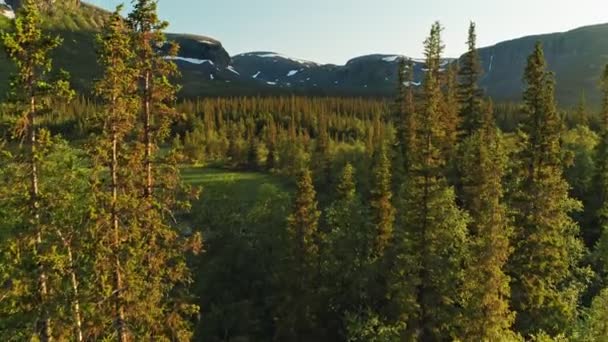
{"points": [[130, 213]]}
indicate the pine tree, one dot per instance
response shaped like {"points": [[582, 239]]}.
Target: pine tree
{"points": [[382, 210], [321, 156], [544, 265], [601, 180], [432, 246], [403, 121], [29, 48], [488, 316], [271, 142], [297, 314], [117, 201], [581, 118], [471, 95], [450, 111], [481, 165], [146, 250], [346, 258], [155, 70], [64, 201]]}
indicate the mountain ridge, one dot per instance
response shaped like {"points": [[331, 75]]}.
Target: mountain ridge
{"points": [[577, 57]]}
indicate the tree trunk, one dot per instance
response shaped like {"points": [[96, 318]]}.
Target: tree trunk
{"points": [[120, 311], [75, 291], [76, 301], [147, 136], [45, 324]]}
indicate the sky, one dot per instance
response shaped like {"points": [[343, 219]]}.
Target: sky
{"points": [[334, 31]]}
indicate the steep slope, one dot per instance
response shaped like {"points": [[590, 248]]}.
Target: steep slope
{"points": [[576, 57]]}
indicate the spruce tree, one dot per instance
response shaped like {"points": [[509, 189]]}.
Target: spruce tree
{"points": [[346, 258], [547, 252], [143, 245], [581, 118], [482, 164], [382, 209], [431, 251], [321, 156], [450, 110], [116, 197], [403, 121], [64, 201], [471, 95], [601, 180], [271, 143], [32, 90], [298, 310], [155, 71]]}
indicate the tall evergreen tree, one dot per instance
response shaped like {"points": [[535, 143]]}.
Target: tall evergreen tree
{"points": [[547, 253], [29, 48], [143, 246], [432, 245], [581, 117], [298, 311], [321, 156], [403, 121], [471, 95], [271, 143], [601, 180], [481, 164], [488, 316], [346, 258], [155, 70], [382, 209], [117, 201], [450, 110]]}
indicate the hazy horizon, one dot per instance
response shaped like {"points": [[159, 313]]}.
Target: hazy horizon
{"points": [[336, 31]]}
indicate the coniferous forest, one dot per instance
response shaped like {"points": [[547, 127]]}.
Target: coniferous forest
{"points": [[131, 213]]}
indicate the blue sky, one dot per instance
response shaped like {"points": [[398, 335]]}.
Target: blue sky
{"points": [[333, 31]]}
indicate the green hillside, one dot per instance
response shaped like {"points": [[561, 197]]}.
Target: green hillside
{"points": [[78, 27]]}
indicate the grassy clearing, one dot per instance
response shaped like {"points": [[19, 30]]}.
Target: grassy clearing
{"points": [[224, 185]]}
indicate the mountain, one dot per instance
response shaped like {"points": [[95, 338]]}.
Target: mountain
{"points": [[374, 75], [577, 57]]}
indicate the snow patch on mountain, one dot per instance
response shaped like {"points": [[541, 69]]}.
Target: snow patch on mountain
{"points": [[232, 69], [190, 60], [256, 74], [205, 41], [292, 73], [277, 56], [391, 59]]}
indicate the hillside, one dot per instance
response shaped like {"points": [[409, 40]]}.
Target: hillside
{"points": [[576, 57]]}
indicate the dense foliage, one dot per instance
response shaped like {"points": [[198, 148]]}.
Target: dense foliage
{"points": [[436, 216]]}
